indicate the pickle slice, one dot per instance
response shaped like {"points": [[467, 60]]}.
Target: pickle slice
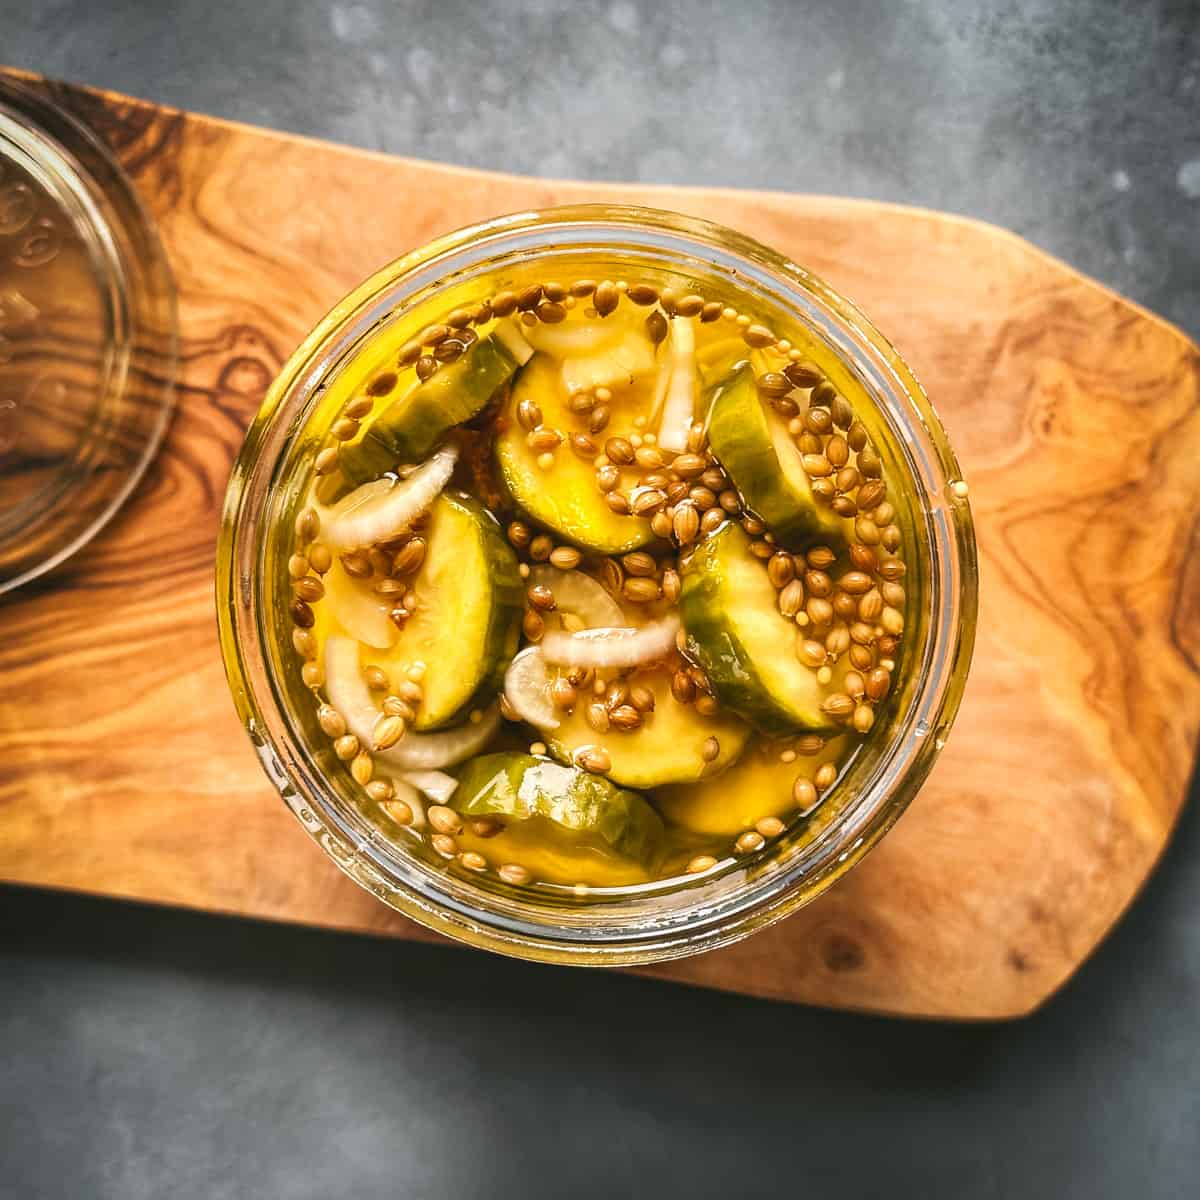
{"points": [[579, 806], [410, 427], [753, 445], [669, 745], [737, 634], [564, 498], [758, 785], [467, 623]]}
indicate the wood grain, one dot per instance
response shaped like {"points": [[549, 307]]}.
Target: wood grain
{"points": [[122, 767]]}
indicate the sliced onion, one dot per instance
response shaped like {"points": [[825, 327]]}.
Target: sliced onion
{"points": [[428, 751], [384, 508], [661, 384], [509, 335], [612, 647], [527, 689], [574, 339], [348, 693], [403, 790], [358, 610], [437, 785], [632, 356], [347, 689], [575, 592], [679, 402]]}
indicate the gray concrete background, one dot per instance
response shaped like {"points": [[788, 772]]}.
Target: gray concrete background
{"points": [[1074, 122], [148, 1054]]}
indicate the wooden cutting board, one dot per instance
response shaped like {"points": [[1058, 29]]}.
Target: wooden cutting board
{"points": [[124, 772]]}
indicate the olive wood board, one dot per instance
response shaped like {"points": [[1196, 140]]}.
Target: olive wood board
{"points": [[124, 771]]}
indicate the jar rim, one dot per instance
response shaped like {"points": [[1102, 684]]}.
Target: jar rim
{"points": [[653, 931]]}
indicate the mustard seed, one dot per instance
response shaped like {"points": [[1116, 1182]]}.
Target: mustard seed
{"points": [[803, 373], [770, 827], [594, 759], [826, 776], [804, 793], [380, 790], [606, 298], [399, 811], [362, 768], [444, 844], [308, 525]]}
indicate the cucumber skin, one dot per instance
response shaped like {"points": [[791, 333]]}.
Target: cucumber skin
{"points": [[429, 410], [740, 436], [508, 604], [714, 646], [505, 784]]}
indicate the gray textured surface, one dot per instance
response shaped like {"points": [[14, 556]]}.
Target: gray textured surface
{"points": [[1074, 122], [148, 1054]]}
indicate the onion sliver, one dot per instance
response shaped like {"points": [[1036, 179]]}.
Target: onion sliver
{"points": [[527, 689], [575, 592], [428, 751], [679, 404], [617, 366], [612, 647], [348, 693], [437, 785], [347, 689], [403, 790], [376, 513], [359, 612], [574, 339]]}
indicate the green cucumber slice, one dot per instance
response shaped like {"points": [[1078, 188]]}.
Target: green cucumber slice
{"points": [[753, 445], [521, 787], [565, 498], [667, 748], [737, 634], [467, 624], [410, 427]]}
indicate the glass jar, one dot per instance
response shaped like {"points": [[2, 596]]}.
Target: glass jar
{"points": [[665, 919], [87, 335]]}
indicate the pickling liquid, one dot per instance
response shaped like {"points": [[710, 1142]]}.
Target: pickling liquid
{"points": [[595, 578]]}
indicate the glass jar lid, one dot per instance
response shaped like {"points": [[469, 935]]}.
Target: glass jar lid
{"points": [[87, 336]]}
